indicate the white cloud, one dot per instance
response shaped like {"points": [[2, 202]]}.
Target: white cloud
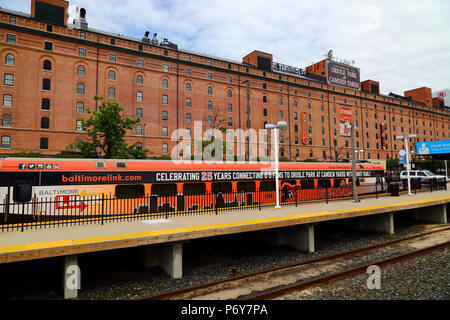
{"points": [[403, 44]]}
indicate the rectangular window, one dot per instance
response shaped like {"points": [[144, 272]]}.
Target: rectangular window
{"points": [[6, 120], [79, 126], [194, 188], [140, 62], [130, 191], [165, 99], [82, 52], [80, 88], [165, 67], [6, 142], [45, 123], [46, 83], [139, 96], [164, 148], [82, 35], [10, 38], [165, 115], [188, 102], [12, 20], [164, 189], [48, 46], [230, 122], [7, 100], [43, 143], [230, 107], [9, 79], [112, 57], [111, 93], [209, 76], [80, 107], [230, 79], [188, 71]]}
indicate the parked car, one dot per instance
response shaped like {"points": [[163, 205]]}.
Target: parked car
{"points": [[424, 175]]}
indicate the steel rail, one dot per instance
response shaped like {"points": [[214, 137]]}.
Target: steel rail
{"points": [[272, 294], [173, 294]]}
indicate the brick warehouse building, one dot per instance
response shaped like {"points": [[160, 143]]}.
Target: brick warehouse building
{"points": [[51, 71]]}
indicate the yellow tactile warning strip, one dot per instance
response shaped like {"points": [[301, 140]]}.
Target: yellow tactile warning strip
{"points": [[61, 243]]}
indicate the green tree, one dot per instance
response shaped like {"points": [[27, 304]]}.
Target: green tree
{"points": [[106, 129]]}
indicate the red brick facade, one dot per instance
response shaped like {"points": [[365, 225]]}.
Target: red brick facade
{"points": [[154, 79]]}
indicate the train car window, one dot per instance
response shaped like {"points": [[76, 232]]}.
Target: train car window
{"points": [[130, 191], [100, 164], [291, 182], [267, 186], [307, 184], [22, 192], [164, 189], [224, 187], [246, 186], [194, 188], [337, 182], [324, 183], [120, 164]]}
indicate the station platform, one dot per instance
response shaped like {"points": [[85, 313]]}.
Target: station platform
{"points": [[68, 240]]}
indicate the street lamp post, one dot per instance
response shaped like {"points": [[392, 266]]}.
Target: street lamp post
{"points": [[352, 136], [411, 136], [275, 128], [247, 125]]}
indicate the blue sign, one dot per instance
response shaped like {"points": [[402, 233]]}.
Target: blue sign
{"points": [[402, 156], [433, 147]]}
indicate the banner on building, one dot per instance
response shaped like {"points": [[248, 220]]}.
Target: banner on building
{"points": [[345, 119], [383, 135], [305, 139]]}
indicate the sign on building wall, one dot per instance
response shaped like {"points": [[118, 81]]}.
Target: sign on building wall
{"points": [[305, 139], [345, 119], [383, 135], [433, 147], [343, 75]]}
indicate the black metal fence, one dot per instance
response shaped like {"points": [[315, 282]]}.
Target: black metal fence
{"points": [[77, 210]]}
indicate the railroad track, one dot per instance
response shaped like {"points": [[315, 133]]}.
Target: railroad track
{"points": [[273, 283]]}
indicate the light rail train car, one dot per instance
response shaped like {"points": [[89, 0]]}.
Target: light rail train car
{"points": [[75, 187]]}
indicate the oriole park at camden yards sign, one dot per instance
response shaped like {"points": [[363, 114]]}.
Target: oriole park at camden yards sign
{"points": [[343, 75]]}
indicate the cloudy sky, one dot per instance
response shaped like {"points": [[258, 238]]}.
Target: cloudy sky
{"points": [[402, 44]]}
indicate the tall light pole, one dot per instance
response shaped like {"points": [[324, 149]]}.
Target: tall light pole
{"points": [[352, 135], [411, 136], [247, 125], [275, 128]]}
